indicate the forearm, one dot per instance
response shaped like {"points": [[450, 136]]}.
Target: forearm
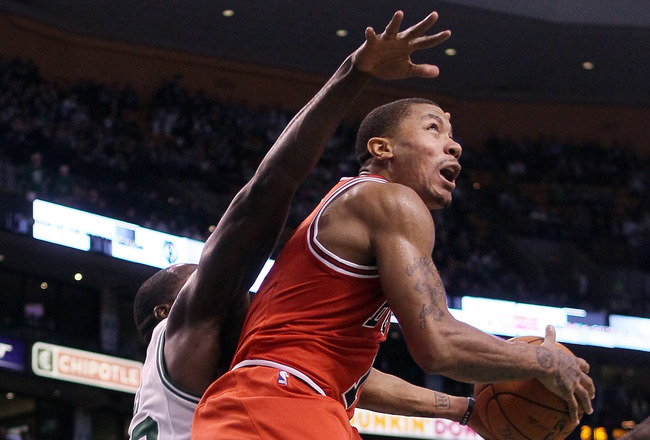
{"points": [[389, 394], [470, 355], [261, 207], [301, 143], [441, 344]]}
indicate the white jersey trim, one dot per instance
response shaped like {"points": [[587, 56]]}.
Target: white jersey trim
{"points": [[278, 366], [312, 234]]}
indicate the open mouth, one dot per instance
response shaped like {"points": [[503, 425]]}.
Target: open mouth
{"points": [[450, 172]]}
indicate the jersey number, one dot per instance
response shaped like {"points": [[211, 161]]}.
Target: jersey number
{"points": [[351, 395], [381, 316], [145, 430]]}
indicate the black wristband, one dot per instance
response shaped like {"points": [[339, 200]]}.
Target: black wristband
{"points": [[468, 413]]}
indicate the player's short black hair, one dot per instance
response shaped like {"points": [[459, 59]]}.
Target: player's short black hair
{"points": [[162, 287], [383, 121]]}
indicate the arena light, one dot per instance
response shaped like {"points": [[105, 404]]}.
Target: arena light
{"points": [[265, 270], [95, 233], [127, 241], [573, 326]]}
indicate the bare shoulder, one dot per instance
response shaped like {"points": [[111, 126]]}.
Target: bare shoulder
{"points": [[352, 224], [391, 204]]}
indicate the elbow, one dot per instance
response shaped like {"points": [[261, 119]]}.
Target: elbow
{"points": [[436, 361], [443, 353]]}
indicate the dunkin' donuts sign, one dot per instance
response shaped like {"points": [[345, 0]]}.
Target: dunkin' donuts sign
{"points": [[370, 422]]}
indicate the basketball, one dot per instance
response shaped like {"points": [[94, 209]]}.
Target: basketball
{"points": [[523, 410]]}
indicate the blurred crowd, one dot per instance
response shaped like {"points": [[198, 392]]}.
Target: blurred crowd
{"points": [[173, 161]]}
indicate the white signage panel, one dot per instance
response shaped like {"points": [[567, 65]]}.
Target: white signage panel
{"points": [[85, 367], [369, 422]]}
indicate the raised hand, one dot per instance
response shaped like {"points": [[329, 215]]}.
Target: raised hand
{"points": [[388, 55]]}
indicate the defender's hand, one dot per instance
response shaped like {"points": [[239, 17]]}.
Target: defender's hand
{"points": [[388, 55]]}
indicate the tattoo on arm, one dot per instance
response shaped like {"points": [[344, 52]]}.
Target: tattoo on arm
{"points": [[544, 357], [566, 375], [441, 403], [428, 283]]}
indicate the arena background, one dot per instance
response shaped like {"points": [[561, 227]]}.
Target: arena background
{"points": [[517, 73]]}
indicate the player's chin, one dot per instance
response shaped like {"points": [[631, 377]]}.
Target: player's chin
{"points": [[440, 200]]}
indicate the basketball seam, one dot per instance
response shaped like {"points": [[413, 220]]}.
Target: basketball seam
{"points": [[505, 415], [495, 417], [527, 399]]}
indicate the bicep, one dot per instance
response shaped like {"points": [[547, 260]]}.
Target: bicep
{"points": [[410, 281]]}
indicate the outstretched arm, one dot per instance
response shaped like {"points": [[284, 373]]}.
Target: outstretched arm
{"points": [[211, 305], [250, 228]]}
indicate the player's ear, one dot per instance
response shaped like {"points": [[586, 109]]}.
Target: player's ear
{"points": [[161, 311], [380, 148]]}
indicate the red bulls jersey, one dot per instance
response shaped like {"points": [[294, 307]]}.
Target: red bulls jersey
{"points": [[318, 314]]}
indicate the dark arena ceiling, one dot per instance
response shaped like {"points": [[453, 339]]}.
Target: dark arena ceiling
{"points": [[505, 49]]}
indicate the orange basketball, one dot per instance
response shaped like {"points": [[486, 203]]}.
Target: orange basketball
{"points": [[524, 409]]}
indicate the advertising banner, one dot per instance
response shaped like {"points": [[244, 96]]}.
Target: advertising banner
{"points": [[85, 367], [369, 422]]}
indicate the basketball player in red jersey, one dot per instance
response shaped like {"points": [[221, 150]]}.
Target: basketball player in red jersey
{"points": [[314, 328], [191, 315]]}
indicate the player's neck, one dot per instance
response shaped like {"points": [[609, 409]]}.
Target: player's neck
{"points": [[373, 172]]}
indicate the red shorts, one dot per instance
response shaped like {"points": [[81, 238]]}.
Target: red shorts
{"points": [[250, 403]]}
